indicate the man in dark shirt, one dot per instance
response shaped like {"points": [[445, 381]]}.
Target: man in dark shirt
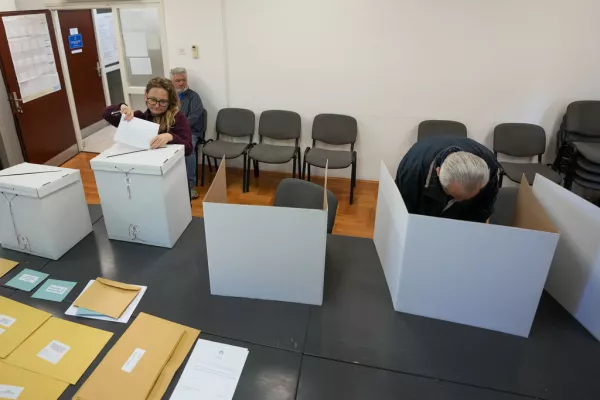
{"points": [[449, 177], [191, 107]]}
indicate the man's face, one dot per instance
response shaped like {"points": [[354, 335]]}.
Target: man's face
{"points": [[180, 82]]}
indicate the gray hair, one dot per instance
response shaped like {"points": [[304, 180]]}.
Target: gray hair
{"points": [[465, 169], [178, 71]]}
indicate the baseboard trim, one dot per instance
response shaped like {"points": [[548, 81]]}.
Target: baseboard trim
{"points": [[64, 156]]}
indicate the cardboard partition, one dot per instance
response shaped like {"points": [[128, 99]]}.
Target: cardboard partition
{"points": [[264, 252], [574, 278], [476, 274]]}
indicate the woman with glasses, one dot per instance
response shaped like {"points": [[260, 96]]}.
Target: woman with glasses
{"points": [[163, 108]]}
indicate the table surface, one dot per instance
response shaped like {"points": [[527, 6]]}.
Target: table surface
{"points": [[354, 346]]}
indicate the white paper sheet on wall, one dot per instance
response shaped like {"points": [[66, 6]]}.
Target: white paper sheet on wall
{"points": [[33, 58], [107, 38], [140, 66], [135, 44]]}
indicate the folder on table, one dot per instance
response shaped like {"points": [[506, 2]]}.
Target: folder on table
{"points": [[60, 349], [18, 383], [17, 323], [6, 266], [107, 297], [140, 365]]}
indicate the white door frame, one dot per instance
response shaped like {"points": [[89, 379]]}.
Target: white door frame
{"points": [[115, 7]]}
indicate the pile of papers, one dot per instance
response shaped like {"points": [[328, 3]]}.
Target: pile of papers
{"points": [[107, 300], [41, 355], [140, 365]]}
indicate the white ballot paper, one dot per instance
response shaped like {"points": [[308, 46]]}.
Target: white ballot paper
{"points": [[211, 373], [136, 133]]}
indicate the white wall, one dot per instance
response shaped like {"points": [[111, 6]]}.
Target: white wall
{"points": [[7, 5], [393, 63]]}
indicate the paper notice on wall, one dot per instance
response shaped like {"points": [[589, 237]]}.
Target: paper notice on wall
{"points": [[108, 41], [140, 66], [135, 44], [32, 54]]}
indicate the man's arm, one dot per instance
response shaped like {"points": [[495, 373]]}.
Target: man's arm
{"points": [[196, 109]]}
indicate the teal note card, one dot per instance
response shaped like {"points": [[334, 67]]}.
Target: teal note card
{"points": [[88, 313], [27, 280], [54, 290]]}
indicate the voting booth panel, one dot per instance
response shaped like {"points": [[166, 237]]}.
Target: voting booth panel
{"points": [[42, 209], [574, 278], [475, 274], [144, 194], [264, 252]]}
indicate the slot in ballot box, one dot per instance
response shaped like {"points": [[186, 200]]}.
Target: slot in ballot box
{"points": [[574, 278], [42, 210], [144, 193], [487, 276], [264, 252]]}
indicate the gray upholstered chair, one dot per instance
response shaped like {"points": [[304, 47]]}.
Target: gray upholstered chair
{"points": [[234, 122], [440, 128], [522, 140], [295, 193], [278, 125], [333, 129], [578, 145]]}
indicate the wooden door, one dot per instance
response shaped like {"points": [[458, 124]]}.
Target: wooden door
{"points": [[34, 80], [84, 66]]}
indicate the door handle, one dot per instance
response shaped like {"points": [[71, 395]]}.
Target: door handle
{"points": [[98, 68], [16, 101]]}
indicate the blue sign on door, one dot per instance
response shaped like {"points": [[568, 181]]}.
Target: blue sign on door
{"points": [[75, 42]]}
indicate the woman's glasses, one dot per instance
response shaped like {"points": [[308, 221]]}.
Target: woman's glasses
{"points": [[163, 103]]}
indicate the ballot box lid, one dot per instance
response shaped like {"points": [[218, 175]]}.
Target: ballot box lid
{"points": [[34, 180], [123, 158]]}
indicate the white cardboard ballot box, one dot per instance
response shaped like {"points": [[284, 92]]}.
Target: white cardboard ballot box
{"points": [[42, 210], [574, 278], [264, 252], [144, 194], [487, 276]]}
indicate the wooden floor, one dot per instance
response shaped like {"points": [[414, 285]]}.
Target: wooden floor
{"points": [[351, 220]]}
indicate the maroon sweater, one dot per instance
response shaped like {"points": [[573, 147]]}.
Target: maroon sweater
{"points": [[180, 130]]}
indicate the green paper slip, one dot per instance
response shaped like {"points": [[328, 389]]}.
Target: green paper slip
{"points": [[84, 312], [27, 280], [54, 290]]}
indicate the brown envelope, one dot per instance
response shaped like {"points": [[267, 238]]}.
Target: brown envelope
{"points": [[107, 297], [6, 266], [27, 385], [140, 365], [17, 323]]}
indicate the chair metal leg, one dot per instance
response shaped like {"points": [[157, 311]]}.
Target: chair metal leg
{"points": [[352, 182], [256, 171], [244, 169], [500, 180], [247, 172], [309, 172], [196, 167], [216, 164], [299, 164], [303, 175], [294, 166], [203, 159]]}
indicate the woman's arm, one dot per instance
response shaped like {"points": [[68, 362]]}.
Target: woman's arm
{"points": [[112, 114]]}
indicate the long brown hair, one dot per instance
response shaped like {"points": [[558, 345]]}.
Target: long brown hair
{"points": [[167, 119]]}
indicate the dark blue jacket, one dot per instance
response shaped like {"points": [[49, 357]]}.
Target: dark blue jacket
{"points": [[430, 199]]}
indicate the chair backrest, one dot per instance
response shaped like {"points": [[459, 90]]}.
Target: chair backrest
{"points": [[335, 129], [441, 128], [280, 124], [519, 140], [296, 193], [583, 118], [236, 122], [204, 122]]}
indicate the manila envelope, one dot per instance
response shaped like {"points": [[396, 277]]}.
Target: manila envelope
{"points": [[18, 383], [60, 349], [140, 365], [17, 322], [107, 297], [6, 266]]}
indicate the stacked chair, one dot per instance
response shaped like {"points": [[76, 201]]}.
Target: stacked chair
{"points": [[578, 145]]}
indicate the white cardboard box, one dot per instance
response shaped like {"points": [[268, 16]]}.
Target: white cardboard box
{"points": [[574, 278], [476, 274], [42, 209], [264, 252], [144, 194]]}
